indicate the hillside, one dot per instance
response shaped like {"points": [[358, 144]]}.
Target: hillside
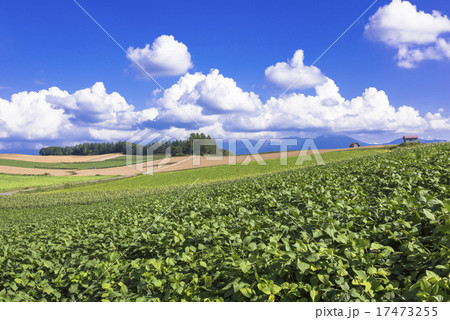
{"points": [[368, 229]]}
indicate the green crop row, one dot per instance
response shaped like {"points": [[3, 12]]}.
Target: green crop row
{"points": [[374, 228], [10, 182], [222, 172], [143, 185]]}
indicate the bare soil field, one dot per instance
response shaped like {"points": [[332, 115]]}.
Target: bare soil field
{"points": [[59, 159], [188, 162]]}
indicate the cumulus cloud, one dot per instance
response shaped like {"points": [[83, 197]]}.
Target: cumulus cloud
{"points": [[295, 74], [205, 98], [437, 121], [165, 57], [416, 35], [329, 111], [225, 110], [29, 116], [217, 103], [55, 114], [94, 106], [111, 134]]}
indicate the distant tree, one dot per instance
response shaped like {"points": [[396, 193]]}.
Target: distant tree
{"points": [[178, 147], [177, 150]]}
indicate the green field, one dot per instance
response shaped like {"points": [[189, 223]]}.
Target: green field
{"points": [[370, 228], [161, 180], [221, 173], [10, 182], [143, 185], [115, 162]]}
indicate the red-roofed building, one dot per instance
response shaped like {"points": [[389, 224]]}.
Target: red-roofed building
{"points": [[407, 139]]}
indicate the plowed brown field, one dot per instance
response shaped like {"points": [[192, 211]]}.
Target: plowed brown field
{"points": [[173, 164]]}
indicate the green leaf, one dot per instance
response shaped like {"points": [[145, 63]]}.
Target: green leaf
{"points": [[106, 285], [123, 288], [246, 292], [372, 270], [156, 282], [376, 246], [302, 266], [274, 289], [432, 275], [313, 257], [313, 293], [428, 214], [264, 288], [73, 288], [252, 246], [48, 290], [245, 266], [342, 238], [323, 278]]}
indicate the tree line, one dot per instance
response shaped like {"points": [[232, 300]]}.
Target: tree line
{"points": [[177, 147]]}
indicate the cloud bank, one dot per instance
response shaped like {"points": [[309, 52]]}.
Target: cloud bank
{"points": [[55, 114], [217, 103], [225, 110], [416, 35]]}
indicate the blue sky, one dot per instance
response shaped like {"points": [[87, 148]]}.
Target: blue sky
{"points": [[55, 44]]}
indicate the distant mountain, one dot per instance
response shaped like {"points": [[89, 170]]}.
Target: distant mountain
{"points": [[20, 150], [336, 142], [322, 142], [398, 141]]}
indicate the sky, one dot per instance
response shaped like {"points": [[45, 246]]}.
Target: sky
{"points": [[238, 69]]}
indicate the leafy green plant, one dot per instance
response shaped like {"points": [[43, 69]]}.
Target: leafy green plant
{"points": [[374, 228]]}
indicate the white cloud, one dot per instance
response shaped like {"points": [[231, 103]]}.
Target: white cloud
{"points": [[295, 73], [225, 110], [94, 106], [111, 134], [166, 57], [54, 114], [205, 98], [417, 35], [329, 111], [217, 103], [220, 94], [437, 121], [28, 115]]}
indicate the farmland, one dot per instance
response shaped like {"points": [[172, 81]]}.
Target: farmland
{"points": [[115, 164], [109, 163], [221, 173], [11, 182], [167, 179], [370, 228]]}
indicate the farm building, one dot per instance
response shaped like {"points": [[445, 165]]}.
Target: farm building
{"points": [[355, 145], [407, 139]]}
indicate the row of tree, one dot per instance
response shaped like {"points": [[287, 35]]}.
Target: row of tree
{"points": [[85, 149], [177, 147]]}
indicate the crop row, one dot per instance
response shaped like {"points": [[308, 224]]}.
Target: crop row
{"points": [[368, 229]]}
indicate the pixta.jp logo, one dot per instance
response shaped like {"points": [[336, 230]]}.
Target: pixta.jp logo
{"points": [[141, 150]]}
